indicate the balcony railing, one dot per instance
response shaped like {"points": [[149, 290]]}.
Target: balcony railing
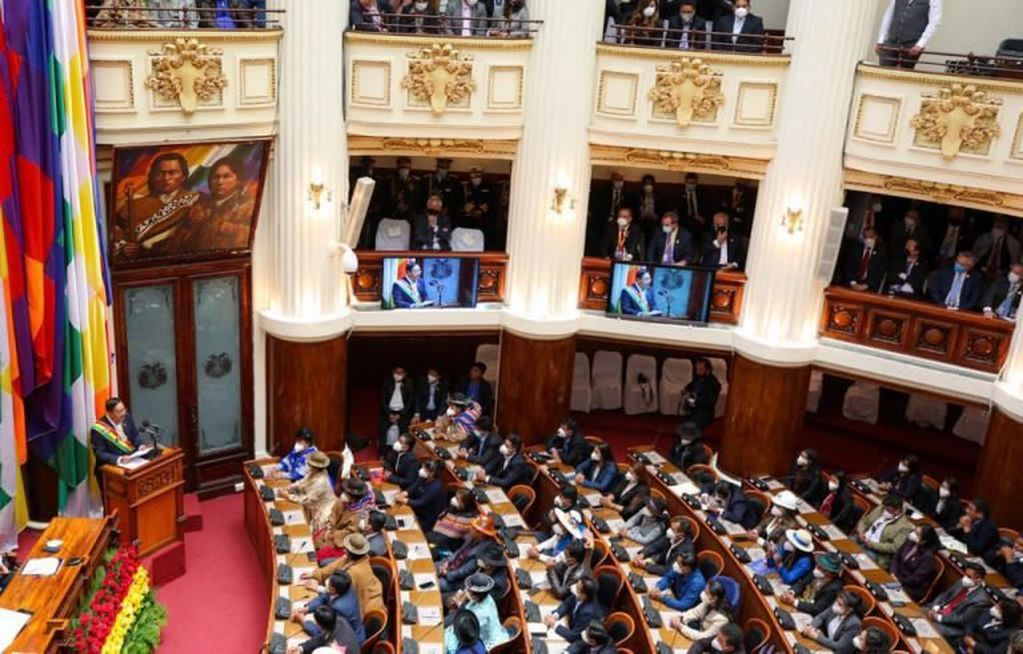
{"points": [[725, 299], [489, 286], [696, 40], [918, 329], [955, 63], [432, 24], [154, 18]]}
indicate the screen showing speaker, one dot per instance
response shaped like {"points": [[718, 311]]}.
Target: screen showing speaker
{"points": [[429, 281], [660, 293]]}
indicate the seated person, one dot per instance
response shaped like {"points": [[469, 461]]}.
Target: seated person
{"points": [[314, 493], [730, 503], [724, 250], [478, 389], [459, 420], [706, 618], [700, 396], [680, 589], [948, 509], [419, 18], [426, 495], [355, 561], [989, 633], [903, 480], [729, 640], [806, 479], [354, 506], [341, 598], [466, 629], [794, 560], [568, 445], [838, 505], [332, 631], [476, 599], [483, 445], [865, 262], [648, 524], [510, 469], [1003, 297], [375, 533], [430, 397], [409, 292], [453, 571], [624, 240], [770, 532], [432, 230], [960, 606], [569, 526], [914, 564], [595, 640], [563, 575], [907, 276], [628, 495], [493, 562], [882, 531], [688, 449], [576, 612], [453, 525], [637, 299], [656, 558], [600, 472], [976, 529], [816, 593], [958, 285], [672, 244], [1008, 560], [403, 467], [293, 465], [872, 641], [837, 626]]}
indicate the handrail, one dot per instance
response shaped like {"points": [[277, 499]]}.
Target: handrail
{"points": [[450, 26], [708, 40], [143, 18], [955, 63]]}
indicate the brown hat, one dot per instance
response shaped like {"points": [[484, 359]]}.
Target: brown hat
{"points": [[318, 460], [356, 544], [484, 524], [356, 488]]}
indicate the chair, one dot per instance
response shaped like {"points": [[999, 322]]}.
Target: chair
{"points": [[867, 600], [594, 441], [522, 497], [1008, 535], [623, 650], [932, 590], [755, 634], [699, 472], [515, 640], [640, 384], [862, 506], [887, 628], [930, 482], [675, 376], [383, 647], [694, 526], [607, 380], [374, 622], [711, 563], [719, 368], [813, 394], [467, 240], [926, 411], [620, 627], [610, 580], [582, 394], [383, 570], [489, 354], [600, 553], [393, 235], [658, 494], [862, 402], [762, 499], [972, 424], [709, 451]]}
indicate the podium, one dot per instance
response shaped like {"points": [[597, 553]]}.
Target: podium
{"points": [[149, 500]]}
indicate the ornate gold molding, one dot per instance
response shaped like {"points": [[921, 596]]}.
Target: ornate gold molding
{"points": [[160, 36], [405, 40], [439, 74], [187, 71], [428, 147], [958, 117], [873, 71], [985, 199], [689, 89], [637, 52], [611, 155]]}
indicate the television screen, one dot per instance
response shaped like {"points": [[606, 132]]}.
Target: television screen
{"points": [[661, 293], [419, 282]]}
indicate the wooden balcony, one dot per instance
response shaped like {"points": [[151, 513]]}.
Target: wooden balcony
{"points": [[490, 284], [961, 338], [725, 301]]}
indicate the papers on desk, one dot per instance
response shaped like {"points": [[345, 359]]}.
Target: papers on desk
{"points": [[897, 595], [834, 532], [421, 578], [866, 563], [135, 459], [513, 520], [593, 499], [429, 615], [634, 551], [802, 620], [756, 553], [804, 507], [732, 528], [417, 551], [667, 615], [537, 628], [924, 628], [496, 496], [774, 485], [655, 458], [430, 648], [298, 572], [686, 488], [293, 517], [132, 464], [41, 567], [299, 545], [390, 494], [615, 524], [405, 521], [11, 624], [951, 544]]}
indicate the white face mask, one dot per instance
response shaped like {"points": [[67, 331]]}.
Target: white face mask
{"points": [[397, 446], [398, 377], [705, 597], [944, 492], [618, 184], [344, 499], [667, 229], [687, 17], [595, 456], [801, 461], [910, 223], [421, 6], [649, 188], [858, 642], [504, 450], [678, 568], [670, 533], [741, 12], [629, 477], [423, 474], [649, 11], [868, 243], [818, 573], [561, 432], [476, 181], [450, 412], [914, 537], [432, 378], [558, 502], [471, 3], [968, 582], [837, 609], [362, 525], [299, 447], [1013, 277], [777, 511], [833, 485], [454, 503], [903, 467], [559, 530], [996, 613], [622, 222], [716, 645]]}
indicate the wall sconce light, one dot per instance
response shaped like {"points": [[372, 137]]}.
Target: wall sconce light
{"points": [[792, 220], [318, 193], [560, 198]]}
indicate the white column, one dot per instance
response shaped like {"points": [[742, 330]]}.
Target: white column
{"points": [[782, 303], [1008, 391], [544, 247]]}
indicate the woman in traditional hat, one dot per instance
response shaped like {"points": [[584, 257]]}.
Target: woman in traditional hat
{"points": [[780, 518], [476, 599], [794, 560], [354, 505], [314, 493]]}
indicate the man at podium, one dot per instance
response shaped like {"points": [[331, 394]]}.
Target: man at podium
{"points": [[114, 436]]}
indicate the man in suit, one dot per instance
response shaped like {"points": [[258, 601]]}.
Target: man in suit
{"points": [[114, 436], [478, 389], [685, 30], [605, 201], [576, 611], [865, 266], [444, 184], [420, 18], [958, 286], [735, 506], [396, 398], [838, 625], [431, 396], [409, 292], [657, 557], [815, 594], [341, 597], [649, 204], [466, 18], [725, 250], [432, 230], [744, 28], [906, 27], [997, 250], [403, 466], [700, 396], [954, 235], [624, 240], [1003, 296], [693, 205], [729, 640], [366, 15], [976, 529], [961, 605], [637, 299], [882, 531], [680, 589], [563, 575], [510, 469], [463, 562], [1008, 560], [478, 212], [672, 244], [483, 445], [909, 228], [568, 445], [906, 278], [403, 191], [356, 564], [740, 204]]}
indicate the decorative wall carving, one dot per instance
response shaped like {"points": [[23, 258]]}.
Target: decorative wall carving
{"points": [[440, 75], [677, 161], [486, 148], [958, 118], [187, 71], [154, 482], [688, 89], [934, 191]]}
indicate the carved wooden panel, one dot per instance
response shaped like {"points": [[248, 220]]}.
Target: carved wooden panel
{"points": [[933, 338], [489, 287], [887, 328], [843, 320], [984, 348]]}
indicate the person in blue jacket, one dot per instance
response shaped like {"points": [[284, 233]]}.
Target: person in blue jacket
{"points": [[600, 472], [795, 558], [340, 596], [680, 589], [426, 495], [294, 465]]}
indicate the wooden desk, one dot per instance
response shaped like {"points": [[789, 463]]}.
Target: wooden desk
{"points": [[149, 500], [52, 600]]}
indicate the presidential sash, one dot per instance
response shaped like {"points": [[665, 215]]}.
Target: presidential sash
{"points": [[410, 290], [639, 298], [113, 437]]}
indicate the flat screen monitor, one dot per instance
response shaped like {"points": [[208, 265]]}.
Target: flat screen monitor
{"points": [[429, 281], [642, 291]]}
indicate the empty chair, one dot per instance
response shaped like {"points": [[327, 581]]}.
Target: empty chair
{"points": [[675, 376], [710, 563], [393, 234], [464, 239], [522, 497], [862, 402], [488, 353], [641, 384], [375, 622], [582, 394], [620, 626], [755, 634], [972, 424], [813, 394], [867, 600], [607, 380], [926, 411], [719, 368]]}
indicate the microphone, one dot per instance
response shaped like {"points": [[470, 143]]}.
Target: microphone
{"points": [[154, 430]]}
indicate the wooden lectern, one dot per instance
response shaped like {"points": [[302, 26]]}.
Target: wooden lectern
{"points": [[149, 500]]}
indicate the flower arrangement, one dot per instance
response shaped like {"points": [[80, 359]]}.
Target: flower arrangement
{"points": [[120, 600]]}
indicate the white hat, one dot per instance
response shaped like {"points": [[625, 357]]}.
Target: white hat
{"points": [[800, 539], [786, 500], [572, 521]]}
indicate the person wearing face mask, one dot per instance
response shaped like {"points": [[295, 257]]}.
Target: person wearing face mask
{"points": [[883, 530], [680, 589], [629, 494], [515, 23], [430, 395], [466, 18], [657, 557], [872, 641], [672, 244], [476, 598], [904, 479], [355, 561], [453, 525], [948, 509], [568, 444], [734, 506], [479, 201], [576, 612], [742, 31], [648, 524], [459, 420], [339, 596], [836, 627], [432, 230], [908, 273], [649, 204], [483, 444], [594, 640], [294, 465], [606, 198], [454, 570], [510, 469], [909, 227], [466, 629], [396, 406], [806, 479], [476, 387], [688, 449], [350, 510], [914, 565], [368, 15], [724, 249], [403, 191], [314, 493], [685, 31], [781, 517], [958, 286], [562, 575], [838, 505], [906, 27], [1003, 296], [961, 605], [707, 618], [599, 472], [729, 640], [793, 561], [815, 593], [402, 466], [642, 28], [566, 527], [1008, 560], [376, 528], [624, 240], [426, 494], [865, 262], [976, 529], [990, 632], [420, 17]]}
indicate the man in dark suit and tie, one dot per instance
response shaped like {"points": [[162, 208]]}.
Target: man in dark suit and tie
{"points": [[580, 609], [685, 30], [672, 244], [960, 605], [624, 240], [865, 267], [906, 278], [509, 469], [908, 228], [431, 396], [114, 436], [409, 292], [953, 235], [432, 230], [958, 286], [396, 397], [637, 299], [606, 198], [741, 31], [483, 445], [1002, 299], [568, 445], [445, 185], [724, 250], [692, 207], [478, 389]]}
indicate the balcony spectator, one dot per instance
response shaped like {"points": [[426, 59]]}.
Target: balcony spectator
{"points": [[958, 286], [624, 240], [174, 14], [725, 250], [955, 234], [444, 184], [432, 230], [124, 13], [605, 201], [909, 227], [1002, 298], [644, 25], [403, 190], [672, 244], [709, 11], [478, 211], [746, 29], [700, 396], [220, 14], [367, 15], [694, 201], [905, 29], [740, 206], [864, 270], [997, 250], [420, 17], [650, 204], [684, 30], [466, 18], [906, 277], [516, 20]]}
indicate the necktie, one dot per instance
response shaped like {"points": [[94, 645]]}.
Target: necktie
{"points": [[692, 204], [483, 441], [684, 45], [669, 250], [861, 274], [1007, 308], [620, 248], [952, 299], [996, 252], [955, 601], [948, 246]]}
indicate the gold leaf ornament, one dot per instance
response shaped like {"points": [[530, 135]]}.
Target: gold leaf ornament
{"points": [[958, 117], [689, 89], [440, 75], [187, 71]]}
